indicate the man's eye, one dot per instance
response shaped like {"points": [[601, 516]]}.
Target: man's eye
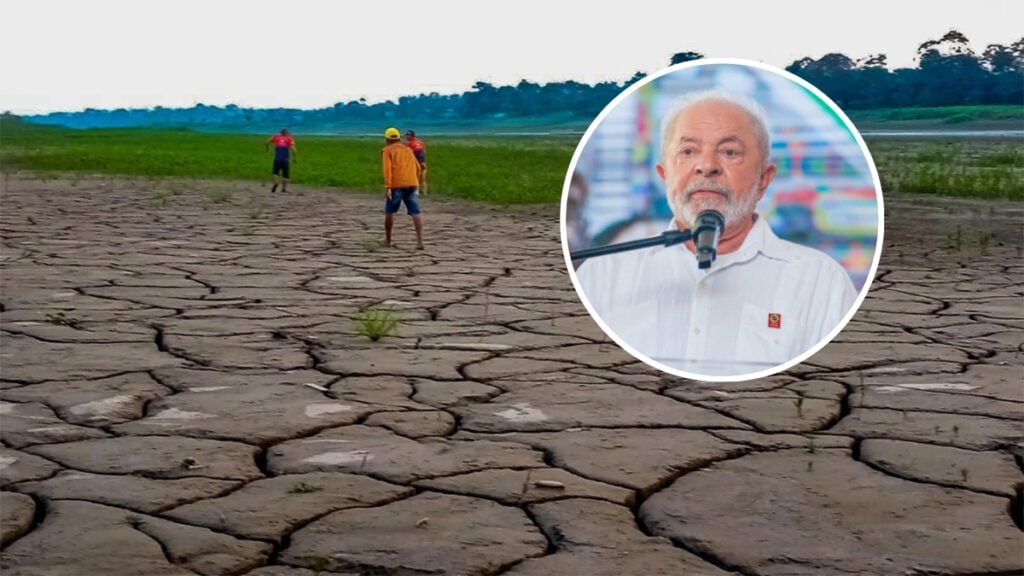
{"points": [[730, 152], [687, 152]]}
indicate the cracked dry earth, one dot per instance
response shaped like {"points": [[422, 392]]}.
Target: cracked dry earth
{"points": [[183, 391]]}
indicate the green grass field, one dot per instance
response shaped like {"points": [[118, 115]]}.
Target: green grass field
{"points": [[940, 115], [977, 168], [495, 169]]}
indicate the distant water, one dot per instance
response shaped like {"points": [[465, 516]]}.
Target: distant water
{"points": [[944, 133]]}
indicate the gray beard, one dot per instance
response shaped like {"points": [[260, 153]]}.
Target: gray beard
{"points": [[733, 212]]}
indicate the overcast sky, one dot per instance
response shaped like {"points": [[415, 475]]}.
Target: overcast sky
{"points": [[65, 55]]}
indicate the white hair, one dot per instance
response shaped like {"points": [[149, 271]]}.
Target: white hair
{"points": [[752, 108]]}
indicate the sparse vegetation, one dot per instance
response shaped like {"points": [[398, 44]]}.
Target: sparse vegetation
{"points": [[955, 239], [304, 488], [254, 207], [799, 403], [318, 564], [371, 244], [376, 324], [60, 319], [984, 240], [161, 198], [979, 168], [219, 196]]}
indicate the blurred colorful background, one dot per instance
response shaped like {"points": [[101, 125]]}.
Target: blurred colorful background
{"points": [[823, 195]]}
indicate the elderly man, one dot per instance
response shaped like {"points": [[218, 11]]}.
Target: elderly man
{"points": [[763, 301]]}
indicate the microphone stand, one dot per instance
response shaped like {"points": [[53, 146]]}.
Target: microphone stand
{"points": [[667, 238], [709, 226]]}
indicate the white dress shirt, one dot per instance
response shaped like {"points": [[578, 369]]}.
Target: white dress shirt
{"points": [[753, 309]]}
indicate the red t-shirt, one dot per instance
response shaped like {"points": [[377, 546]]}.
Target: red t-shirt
{"points": [[282, 144], [418, 149]]}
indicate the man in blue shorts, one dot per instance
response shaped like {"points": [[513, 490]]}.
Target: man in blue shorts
{"points": [[402, 172], [283, 145]]}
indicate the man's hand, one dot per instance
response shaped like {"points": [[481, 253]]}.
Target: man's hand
{"points": [[387, 194]]}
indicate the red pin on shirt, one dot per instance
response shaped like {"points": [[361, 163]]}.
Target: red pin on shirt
{"points": [[774, 320]]}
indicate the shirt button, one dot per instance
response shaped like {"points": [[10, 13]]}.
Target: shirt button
{"points": [[776, 340], [696, 331]]}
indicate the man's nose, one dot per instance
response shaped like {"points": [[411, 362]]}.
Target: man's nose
{"points": [[708, 165]]}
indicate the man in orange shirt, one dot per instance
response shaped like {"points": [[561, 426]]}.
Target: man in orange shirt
{"points": [[402, 172]]}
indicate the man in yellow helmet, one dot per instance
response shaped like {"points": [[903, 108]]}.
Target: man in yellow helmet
{"points": [[402, 173]]}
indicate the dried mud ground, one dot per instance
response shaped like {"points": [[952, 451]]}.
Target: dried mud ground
{"points": [[183, 391]]}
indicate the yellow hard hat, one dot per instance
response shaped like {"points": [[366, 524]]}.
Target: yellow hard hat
{"points": [[392, 134]]}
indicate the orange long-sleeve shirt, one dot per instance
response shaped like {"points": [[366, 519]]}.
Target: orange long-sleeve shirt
{"points": [[401, 169]]}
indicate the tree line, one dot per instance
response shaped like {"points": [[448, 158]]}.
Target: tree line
{"points": [[948, 72]]}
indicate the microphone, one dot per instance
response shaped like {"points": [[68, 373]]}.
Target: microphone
{"points": [[707, 229], [706, 232]]}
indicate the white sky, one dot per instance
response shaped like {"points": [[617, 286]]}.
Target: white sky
{"points": [[75, 54]]}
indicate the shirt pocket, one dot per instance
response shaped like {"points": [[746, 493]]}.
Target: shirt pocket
{"points": [[766, 336]]}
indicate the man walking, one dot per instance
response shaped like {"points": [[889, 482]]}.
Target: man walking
{"points": [[402, 173], [284, 151]]}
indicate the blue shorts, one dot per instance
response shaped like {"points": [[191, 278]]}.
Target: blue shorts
{"points": [[281, 167], [409, 195]]}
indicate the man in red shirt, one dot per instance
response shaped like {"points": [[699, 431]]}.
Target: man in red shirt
{"points": [[284, 145], [420, 150]]}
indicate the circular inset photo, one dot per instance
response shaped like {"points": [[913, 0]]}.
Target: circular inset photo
{"points": [[722, 220]]}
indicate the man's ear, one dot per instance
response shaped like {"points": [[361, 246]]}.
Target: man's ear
{"points": [[661, 170], [767, 175]]}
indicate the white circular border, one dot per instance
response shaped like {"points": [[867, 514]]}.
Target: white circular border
{"points": [[878, 239]]}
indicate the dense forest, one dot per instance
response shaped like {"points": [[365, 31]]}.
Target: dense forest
{"points": [[948, 73]]}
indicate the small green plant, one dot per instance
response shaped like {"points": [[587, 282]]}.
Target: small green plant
{"points": [[799, 403], [318, 564], [370, 244], [811, 447], [304, 488], [964, 475], [254, 208], [956, 238], [984, 241], [60, 319], [375, 324], [219, 196], [956, 430], [161, 198]]}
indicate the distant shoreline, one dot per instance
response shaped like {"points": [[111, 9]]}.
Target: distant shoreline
{"points": [[1000, 121]]}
